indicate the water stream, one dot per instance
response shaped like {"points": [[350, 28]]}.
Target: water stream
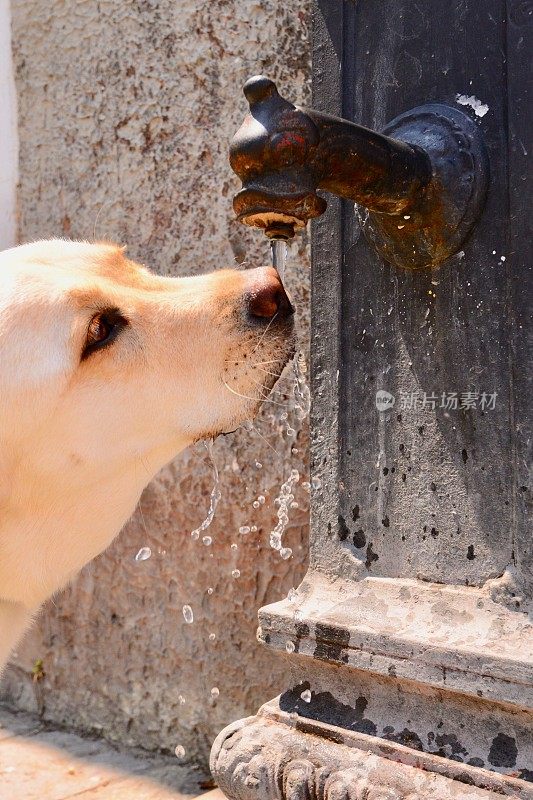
{"points": [[278, 255], [298, 406], [216, 494], [302, 395], [283, 501]]}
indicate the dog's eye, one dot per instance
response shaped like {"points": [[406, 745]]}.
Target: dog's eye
{"points": [[103, 329]]}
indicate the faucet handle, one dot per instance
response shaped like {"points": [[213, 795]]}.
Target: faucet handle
{"points": [[259, 88]]}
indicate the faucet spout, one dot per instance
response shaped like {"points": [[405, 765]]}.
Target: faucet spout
{"points": [[285, 154]]}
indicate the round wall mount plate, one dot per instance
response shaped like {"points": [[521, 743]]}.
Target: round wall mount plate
{"points": [[450, 204]]}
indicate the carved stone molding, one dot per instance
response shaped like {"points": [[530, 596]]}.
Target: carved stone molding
{"points": [[451, 637], [259, 758]]}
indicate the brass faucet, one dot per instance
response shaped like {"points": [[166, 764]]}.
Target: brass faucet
{"points": [[422, 181]]}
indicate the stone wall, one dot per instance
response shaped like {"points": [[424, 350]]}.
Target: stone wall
{"points": [[126, 109]]}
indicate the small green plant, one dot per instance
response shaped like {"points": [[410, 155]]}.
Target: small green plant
{"points": [[37, 671]]}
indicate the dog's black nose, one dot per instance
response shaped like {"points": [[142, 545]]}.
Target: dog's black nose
{"points": [[268, 299]]}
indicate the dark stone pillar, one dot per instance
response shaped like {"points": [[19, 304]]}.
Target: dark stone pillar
{"points": [[410, 641]]}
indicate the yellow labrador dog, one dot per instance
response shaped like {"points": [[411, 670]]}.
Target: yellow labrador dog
{"points": [[107, 371]]}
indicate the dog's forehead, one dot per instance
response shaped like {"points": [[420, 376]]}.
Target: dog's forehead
{"points": [[64, 265]]}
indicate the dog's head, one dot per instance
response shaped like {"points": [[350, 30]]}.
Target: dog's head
{"points": [[104, 363]]}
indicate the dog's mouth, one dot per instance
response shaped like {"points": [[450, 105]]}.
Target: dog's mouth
{"points": [[252, 373]]}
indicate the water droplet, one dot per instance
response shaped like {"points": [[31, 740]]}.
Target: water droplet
{"points": [[316, 483], [234, 546], [188, 616], [294, 504], [306, 696], [207, 540], [285, 553], [235, 573], [143, 554], [261, 499], [253, 529], [258, 465], [179, 751], [212, 637], [181, 700], [289, 647], [245, 529], [215, 691], [255, 504], [210, 590]]}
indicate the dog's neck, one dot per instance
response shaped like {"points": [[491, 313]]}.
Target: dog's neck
{"points": [[47, 537], [14, 619]]}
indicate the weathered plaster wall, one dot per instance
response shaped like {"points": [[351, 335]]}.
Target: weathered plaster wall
{"points": [[8, 133], [126, 111]]}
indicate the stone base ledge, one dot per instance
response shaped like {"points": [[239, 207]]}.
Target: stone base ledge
{"points": [[279, 757], [450, 637]]}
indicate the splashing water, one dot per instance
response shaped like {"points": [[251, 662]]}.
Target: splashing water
{"points": [[143, 554], [278, 254], [302, 395], [216, 494], [283, 502]]}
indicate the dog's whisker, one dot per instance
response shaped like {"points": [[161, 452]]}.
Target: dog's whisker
{"points": [[98, 217], [267, 371], [246, 361], [264, 439], [264, 333], [254, 399], [258, 365], [269, 391]]}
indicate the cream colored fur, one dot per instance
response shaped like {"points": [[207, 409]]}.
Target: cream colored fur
{"points": [[81, 437]]}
